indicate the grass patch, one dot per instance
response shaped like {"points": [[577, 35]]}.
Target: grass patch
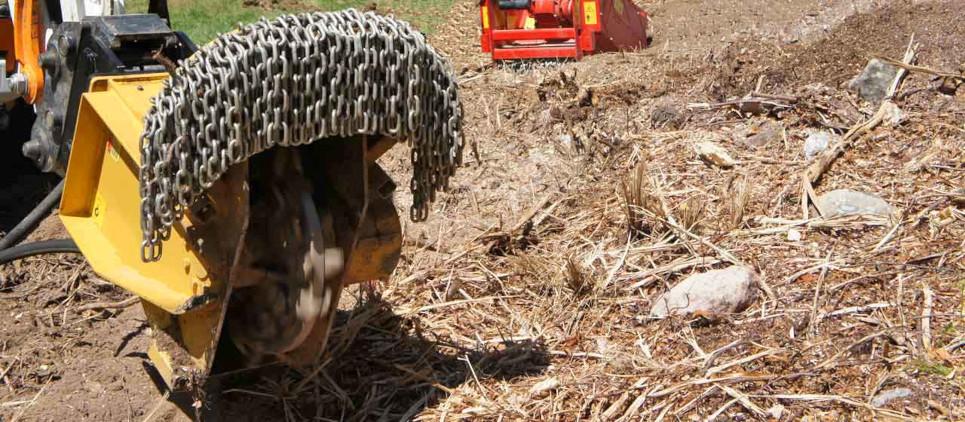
{"points": [[933, 368], [203, 20]]}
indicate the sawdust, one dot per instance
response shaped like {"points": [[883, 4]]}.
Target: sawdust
{"points": [[525, 295]]}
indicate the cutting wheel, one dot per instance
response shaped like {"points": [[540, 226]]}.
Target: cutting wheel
{"points": [[289, 287]]}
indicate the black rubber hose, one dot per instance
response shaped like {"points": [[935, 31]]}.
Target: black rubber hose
{"points": [[38, 248], [32, 220]]}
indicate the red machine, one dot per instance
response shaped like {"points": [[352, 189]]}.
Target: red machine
{"points": [[550, 29]]}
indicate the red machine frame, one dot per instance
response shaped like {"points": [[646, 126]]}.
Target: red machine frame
{"points": [[561, 28]]}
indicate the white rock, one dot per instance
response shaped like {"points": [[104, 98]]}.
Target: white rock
{"points": [[843, 202], [893, 115], [544, 386], [602, 346], [815, 143], [714, 154], [794, 235], [776, 411], [887, 396], [715, 292]]}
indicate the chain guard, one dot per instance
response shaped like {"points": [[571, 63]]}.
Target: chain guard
{"points": [[291, 81]]}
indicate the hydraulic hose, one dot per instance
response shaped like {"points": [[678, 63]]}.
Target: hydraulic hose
{"points": [[32, 220], [37, 248]]}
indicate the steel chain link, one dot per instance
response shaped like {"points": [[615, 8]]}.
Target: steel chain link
{"points": [[291, 81]]}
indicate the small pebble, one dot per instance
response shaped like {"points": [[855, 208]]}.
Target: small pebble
{"points": [[794, 235], [816, 143]]}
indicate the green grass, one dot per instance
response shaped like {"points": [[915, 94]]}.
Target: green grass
{"points": [[933, 368], [203, 20]]}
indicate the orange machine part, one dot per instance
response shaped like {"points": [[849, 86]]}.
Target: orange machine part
{"points": [[554, 29], [6, 44], [28, 33]]}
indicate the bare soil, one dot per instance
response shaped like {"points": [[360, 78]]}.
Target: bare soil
{"points": [[526, 294]]}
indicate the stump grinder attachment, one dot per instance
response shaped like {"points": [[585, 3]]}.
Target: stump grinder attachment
{"points": [[560, 29], [236, 192]]}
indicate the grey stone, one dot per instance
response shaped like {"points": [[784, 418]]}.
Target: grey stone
{"points": [[887, 396], [764, 134], [873, 82], [815, 143], [843, 202], [666, 115], [714, 292]]}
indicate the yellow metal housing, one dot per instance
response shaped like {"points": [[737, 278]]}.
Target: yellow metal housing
{"points": [[183, 293]]}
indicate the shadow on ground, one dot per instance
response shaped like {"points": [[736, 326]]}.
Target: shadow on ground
{"points": [[380, 366]]}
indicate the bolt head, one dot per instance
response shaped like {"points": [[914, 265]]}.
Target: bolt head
{"points": [[65, 44], [32, 149], [49, 61]]}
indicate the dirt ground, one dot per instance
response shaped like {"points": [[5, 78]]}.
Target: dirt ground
{"points": [[526, 294]]}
